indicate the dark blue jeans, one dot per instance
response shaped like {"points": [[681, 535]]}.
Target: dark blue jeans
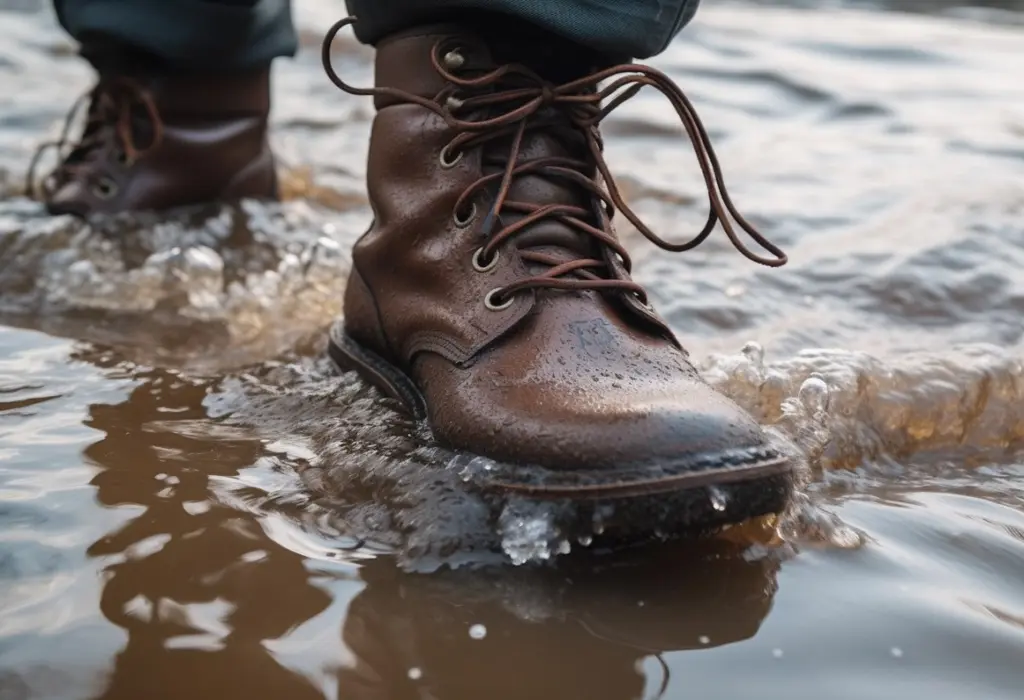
{"points": [[239, 34]]}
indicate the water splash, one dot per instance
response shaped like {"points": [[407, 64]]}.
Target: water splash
{"points": [[230, 273], [602, 514], [808, 523], [719, 499], [348, 473], [377, 477], [806, 419], [528, 532], [843, 408]]}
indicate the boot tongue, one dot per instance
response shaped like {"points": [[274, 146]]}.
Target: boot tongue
{"points": [[558, 61], [548, 235]]}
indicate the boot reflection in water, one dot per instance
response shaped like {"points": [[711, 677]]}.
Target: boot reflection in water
{"points": [[542, 633], [491, 296], [187, 580]]}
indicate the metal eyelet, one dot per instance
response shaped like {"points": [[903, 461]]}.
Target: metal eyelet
{"points": [[464, 221], [479, 265], [453, 60], [646, 304], [492, 305], [105, 188], [447, 160]]}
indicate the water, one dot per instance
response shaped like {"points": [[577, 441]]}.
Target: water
{"points": [[192, 504]]}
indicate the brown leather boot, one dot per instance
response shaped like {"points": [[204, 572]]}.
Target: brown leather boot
{"points": [[492, 296], [160, 142]]}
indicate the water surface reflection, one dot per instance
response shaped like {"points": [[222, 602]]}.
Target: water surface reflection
{"points": [[190, 582]]}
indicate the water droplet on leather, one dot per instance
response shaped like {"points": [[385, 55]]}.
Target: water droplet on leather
{"points": [[718, 498]]}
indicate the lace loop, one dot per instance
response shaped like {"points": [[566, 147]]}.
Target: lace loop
{"points": [[111, 104], [508, 101]]}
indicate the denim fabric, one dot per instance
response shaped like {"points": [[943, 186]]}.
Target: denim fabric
{"points": [[185, 35], [226, 35], [628, 28]]}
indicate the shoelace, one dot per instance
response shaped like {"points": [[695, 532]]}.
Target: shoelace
{"points": [[110, 108], [583, 104]]}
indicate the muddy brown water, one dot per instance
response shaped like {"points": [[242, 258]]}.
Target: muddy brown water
{"points": [[193, 505]]}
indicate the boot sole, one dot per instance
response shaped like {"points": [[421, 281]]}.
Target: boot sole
{"points": [[752, 481]]}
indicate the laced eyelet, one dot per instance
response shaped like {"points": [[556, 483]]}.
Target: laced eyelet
{"points": [[462, 221], [492, 305], [121, 158], [447, 160], [453, 60], [105, 188], [478, 262]]}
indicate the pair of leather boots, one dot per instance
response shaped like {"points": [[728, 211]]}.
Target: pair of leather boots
{"points": [[491, 296]]}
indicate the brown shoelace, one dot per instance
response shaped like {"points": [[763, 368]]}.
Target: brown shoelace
{"points": [[108, 128], [582, 104]]}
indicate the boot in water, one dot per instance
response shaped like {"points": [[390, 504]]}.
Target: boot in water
{"points": [[154, 141], [492, 297]]}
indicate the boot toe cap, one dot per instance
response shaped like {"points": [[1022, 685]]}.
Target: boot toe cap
{"points": [[691, 428]]}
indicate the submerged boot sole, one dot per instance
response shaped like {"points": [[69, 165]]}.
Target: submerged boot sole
{"points": [[698, 491]]}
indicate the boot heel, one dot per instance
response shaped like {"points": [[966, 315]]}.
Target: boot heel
{"points": [[348, 355]]}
